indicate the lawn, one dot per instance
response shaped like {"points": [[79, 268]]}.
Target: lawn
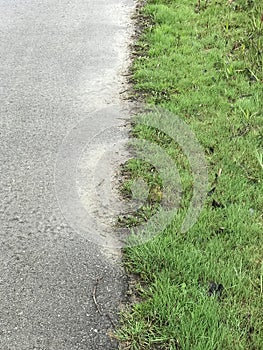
{"points": [[201, 289]]}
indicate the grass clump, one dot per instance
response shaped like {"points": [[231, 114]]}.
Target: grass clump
{"points": [[203, 289]]}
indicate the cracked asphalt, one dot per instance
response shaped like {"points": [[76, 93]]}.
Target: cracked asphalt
{"points": [[59, 62]]}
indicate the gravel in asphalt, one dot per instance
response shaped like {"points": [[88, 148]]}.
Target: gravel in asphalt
{"points": [[60, 62]]}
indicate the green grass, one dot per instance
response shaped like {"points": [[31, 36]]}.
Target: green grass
{"points": [[205, 64]]}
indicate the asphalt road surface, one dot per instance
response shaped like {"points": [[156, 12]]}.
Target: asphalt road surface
{"points": [[59, 62]]}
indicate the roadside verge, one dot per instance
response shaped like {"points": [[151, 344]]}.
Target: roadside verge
{"points": [[201, 289]]}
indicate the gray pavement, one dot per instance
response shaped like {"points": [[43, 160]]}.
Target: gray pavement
{"points": [[60, 62]]}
